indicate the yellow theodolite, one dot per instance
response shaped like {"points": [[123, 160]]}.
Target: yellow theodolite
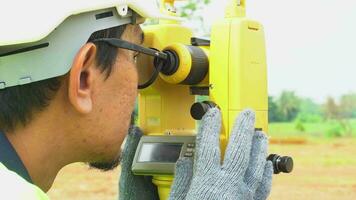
{"points": [[229, 70]]}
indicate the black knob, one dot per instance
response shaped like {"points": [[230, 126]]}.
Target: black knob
{"points": [[198, 110], [281, 163]]}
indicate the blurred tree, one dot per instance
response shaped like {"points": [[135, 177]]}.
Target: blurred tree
{"points": [[331, 109], [348, 105], [335, 112], [308, 105], [309, 111], [289, 105], [273, 111], [347, 110], [192, 10]]}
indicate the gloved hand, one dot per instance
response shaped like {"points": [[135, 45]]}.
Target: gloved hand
{"points": [[244, 175], [132, 187]]}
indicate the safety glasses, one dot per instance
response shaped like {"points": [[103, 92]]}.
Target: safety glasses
{"points": [[149, 63]]}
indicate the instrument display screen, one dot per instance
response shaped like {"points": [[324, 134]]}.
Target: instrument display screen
{"points": [[160, 152]]}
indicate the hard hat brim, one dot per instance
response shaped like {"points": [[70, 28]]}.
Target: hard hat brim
{"points": [[30, 21]]}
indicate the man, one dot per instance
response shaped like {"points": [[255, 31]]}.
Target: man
{"points": [[62, 103]]}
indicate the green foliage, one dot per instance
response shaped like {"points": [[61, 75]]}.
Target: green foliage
{"points": [[335, 131], [289, 105], [192, 10], [285, 108], [340, 128], [189, 9], [347, 105], [331, 109], [299, 126], [309, 111], [273, 111], [309, 117], [322, 129], [309, 106]]}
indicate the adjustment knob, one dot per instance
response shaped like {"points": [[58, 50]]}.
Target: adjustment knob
{"points": [[198, 110], [281, 163]]}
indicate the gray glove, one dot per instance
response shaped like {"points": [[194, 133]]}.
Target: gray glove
{"points": [[244, 175], [132, 187]]}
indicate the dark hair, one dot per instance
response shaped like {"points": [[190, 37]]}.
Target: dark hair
{"points": [[19, 103]]}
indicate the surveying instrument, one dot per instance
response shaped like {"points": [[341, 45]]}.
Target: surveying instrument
{"points": [[227, 71]]}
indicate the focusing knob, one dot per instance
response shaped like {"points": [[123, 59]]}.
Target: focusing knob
{"points": [[281, 163], [198, 110]]}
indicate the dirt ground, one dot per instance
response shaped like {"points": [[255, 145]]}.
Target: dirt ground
{"points": [[323, 170]]}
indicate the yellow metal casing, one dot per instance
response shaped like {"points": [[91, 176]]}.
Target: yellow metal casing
{"points": [[238, 72]]}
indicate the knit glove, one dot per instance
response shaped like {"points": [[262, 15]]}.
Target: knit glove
{"points": [[244, 174], [132, 187]]}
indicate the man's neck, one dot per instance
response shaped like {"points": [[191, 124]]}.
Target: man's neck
{"points": [[38, 146]]}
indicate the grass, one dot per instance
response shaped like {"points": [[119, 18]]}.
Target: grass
{"points": [[318, 129]]}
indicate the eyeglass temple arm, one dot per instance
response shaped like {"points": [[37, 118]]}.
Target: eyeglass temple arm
{"points": [[134, 47]]}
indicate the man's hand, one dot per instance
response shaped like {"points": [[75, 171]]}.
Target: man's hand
{"points": [[245, 174], [132, 187]]}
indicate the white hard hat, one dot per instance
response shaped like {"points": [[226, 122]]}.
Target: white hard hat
{"points": [[39, 38]]}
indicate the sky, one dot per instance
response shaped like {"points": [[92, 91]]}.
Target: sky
{"points": [[311, 44]]}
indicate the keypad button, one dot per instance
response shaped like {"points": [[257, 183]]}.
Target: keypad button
{"points": [[190, 150], [188, 154], [190, 145]]}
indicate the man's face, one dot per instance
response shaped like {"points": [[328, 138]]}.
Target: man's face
{"points": [[113, 105]]}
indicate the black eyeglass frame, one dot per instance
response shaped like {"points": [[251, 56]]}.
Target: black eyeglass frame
{"points": [[134, 47]]}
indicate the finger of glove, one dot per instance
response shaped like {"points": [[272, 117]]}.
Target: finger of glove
{"points": [[264, 188], [129, 183], [238, 150], [256, 167], [128, 153], [132, 187], [182, 180], [207, 156]]}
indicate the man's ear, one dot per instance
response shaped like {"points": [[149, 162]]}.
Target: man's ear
{"points": [[81, 79]]}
